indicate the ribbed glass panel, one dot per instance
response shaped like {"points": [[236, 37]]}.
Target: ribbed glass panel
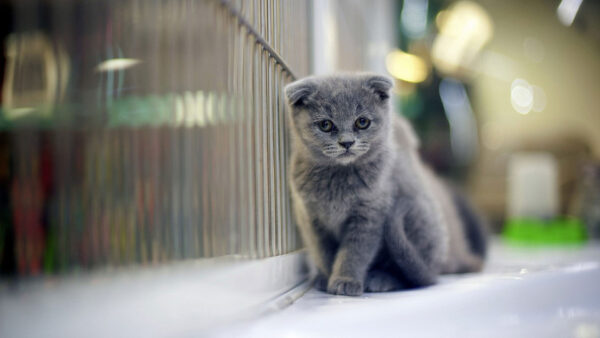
{"points": [[142, 132]]}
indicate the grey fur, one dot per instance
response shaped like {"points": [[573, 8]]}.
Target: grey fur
{"points": [[374, 218]]}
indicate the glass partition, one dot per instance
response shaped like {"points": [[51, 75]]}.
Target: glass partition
{"points": [[141, 132]]}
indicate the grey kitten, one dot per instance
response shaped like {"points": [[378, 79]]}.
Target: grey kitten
{"points": [[372, 215]]}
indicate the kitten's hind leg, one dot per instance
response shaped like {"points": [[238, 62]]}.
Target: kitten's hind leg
{"points": [[415, 243], [381, 281]]}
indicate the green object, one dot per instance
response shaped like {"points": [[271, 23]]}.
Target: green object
{"points": [[562, 231]]}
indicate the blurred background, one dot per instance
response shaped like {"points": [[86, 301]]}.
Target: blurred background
{"points": [[140, 133]]}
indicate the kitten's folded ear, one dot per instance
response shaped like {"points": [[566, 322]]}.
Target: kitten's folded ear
{"points": [[297, 92], [380, 85]]}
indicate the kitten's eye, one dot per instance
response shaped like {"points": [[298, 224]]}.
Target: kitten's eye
{"points": [[326, 125], [362, 123]]}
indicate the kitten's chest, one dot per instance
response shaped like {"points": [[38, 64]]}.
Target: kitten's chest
{"points": [[331, 214], [338, 187], [331, 195]]}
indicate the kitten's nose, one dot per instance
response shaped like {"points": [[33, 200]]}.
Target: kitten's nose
{"points": [[346, 145]]}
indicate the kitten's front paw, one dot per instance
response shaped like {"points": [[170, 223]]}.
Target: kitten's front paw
{"points": [[344, 286]]}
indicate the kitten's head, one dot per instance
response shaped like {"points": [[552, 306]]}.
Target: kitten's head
{"points": [[340, 118]]}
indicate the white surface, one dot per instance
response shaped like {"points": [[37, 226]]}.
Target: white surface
{"points": [[533, 186], [181, 299], [522, 293]]}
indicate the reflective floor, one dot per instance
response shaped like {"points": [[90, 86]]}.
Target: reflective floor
{"points": [[523, 292]]}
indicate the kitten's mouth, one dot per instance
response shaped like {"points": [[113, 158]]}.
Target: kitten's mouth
{"points": [[346, 156]]}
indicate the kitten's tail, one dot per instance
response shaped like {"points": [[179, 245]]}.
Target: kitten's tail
{"points": [[476, 229]]}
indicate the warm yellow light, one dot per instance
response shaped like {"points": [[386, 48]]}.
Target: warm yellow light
{"points": [[116, 64], [464, 28], [406, 67], [440, 18]]}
